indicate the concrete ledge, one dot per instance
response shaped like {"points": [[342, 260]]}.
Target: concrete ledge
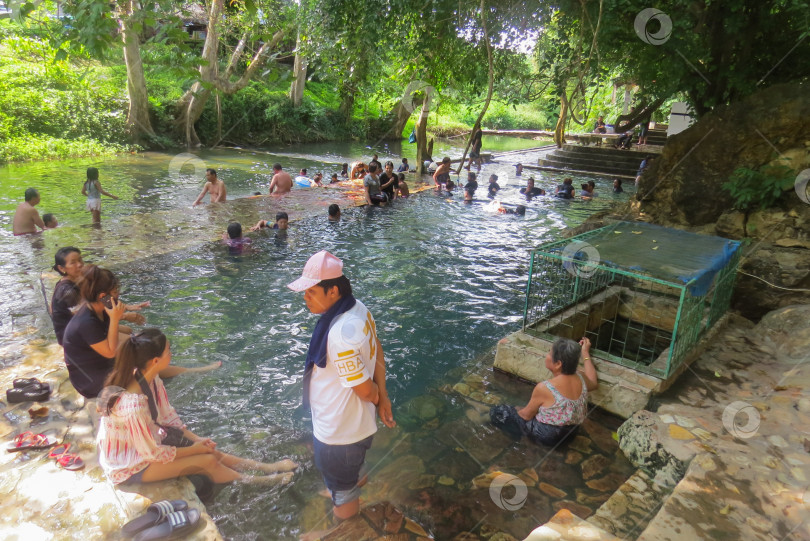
{"points": [[42, 501], [565, 526]]}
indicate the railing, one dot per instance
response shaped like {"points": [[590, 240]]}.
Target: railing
{"points": [[635, 320]]}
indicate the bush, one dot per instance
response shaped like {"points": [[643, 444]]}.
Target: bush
{"points": [[758, 189], [53, 109], [44, 147]]}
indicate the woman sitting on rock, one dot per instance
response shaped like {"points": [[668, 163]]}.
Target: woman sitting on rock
{"points": [[66, 296], [557, 406], [141, 437]]}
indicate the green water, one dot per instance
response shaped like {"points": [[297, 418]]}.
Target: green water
{"points": [[444, 281]]}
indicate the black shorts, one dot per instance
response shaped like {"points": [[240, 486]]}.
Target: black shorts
{"points": [[378, 198]]}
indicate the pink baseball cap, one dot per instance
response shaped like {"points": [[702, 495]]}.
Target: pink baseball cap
{"points": [[321, 266]]}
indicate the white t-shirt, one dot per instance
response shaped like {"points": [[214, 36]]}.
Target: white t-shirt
{"points": [[339, 416]]}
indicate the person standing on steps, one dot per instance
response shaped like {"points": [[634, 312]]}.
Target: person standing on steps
{"points": [[93, 190], [344, 380]]}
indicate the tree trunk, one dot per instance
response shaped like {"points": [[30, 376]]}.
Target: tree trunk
{"points": [[299, 75], [399, 116], [138, 123], [641, 113], [421, 138], [191, 105], [490, 85], [347, 101], [559, 129]]}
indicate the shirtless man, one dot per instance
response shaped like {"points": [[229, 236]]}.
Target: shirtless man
{"points": [[282, 181], [213, 186], [442, 174], [26, 218]]}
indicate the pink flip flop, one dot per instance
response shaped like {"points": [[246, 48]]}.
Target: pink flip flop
{"points": [[70, 461], [28, 441]]}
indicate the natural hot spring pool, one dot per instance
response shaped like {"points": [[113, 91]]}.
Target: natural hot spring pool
{"points": [[444, 281]]}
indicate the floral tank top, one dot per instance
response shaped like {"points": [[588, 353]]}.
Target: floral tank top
{"points": [[564, 411]]}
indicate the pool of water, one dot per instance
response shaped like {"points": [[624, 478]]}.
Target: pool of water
{"points": [[444, 281]]}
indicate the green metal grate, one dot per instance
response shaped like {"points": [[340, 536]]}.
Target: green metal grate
{"points": [[632, 318]]}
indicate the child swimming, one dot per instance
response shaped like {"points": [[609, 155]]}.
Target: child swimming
{"points": [[282, 222]]}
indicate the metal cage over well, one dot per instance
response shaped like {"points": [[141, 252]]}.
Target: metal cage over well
{"points": [[643, 294]]}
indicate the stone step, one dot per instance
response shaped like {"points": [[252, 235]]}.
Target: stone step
{"points": [[631, 508], [576, 165], [618, 159], [606, 151]]}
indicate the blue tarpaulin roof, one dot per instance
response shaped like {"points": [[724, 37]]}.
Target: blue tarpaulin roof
{"points": [[665, 253]]}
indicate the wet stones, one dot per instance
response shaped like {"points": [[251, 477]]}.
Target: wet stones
{"points": [[420, 410], [552, 491], [594, 465]]}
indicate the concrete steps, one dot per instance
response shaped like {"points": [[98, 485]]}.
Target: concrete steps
{"points": [[603, 159], [657, 137]]}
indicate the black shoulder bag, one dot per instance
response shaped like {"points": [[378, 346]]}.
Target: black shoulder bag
{"points": [[174, 436]]}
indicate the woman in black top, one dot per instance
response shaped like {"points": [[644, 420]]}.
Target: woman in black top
{"points": [[91, 337], [68, 263], [66, 297]]}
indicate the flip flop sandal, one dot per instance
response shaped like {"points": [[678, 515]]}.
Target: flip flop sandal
{"points": [[37, 392], [70, 461], [176, 525], [21, 383], [28, 441], [155, 513], [59, 450]]}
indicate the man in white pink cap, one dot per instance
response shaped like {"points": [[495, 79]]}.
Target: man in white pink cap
{"points": [[344, 380]]}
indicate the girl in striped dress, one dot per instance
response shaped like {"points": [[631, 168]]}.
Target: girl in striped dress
{"points": [[134, 425]]}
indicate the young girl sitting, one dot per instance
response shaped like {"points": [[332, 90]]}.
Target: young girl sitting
{"points": [[137, 420]]}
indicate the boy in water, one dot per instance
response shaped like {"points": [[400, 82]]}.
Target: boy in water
{"points": [[334, 212], [49, 220], [442, 174], [213, 187], [493, 186], [282, 222], [470, 187], [403, 187], [404, 167]]}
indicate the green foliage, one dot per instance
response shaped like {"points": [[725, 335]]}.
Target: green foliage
{"points": [[33, 147], [51, 109], [758, 189]]}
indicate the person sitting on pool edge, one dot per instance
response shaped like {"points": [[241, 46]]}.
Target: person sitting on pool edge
{"points": [[141, 439], [558, 405]]}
